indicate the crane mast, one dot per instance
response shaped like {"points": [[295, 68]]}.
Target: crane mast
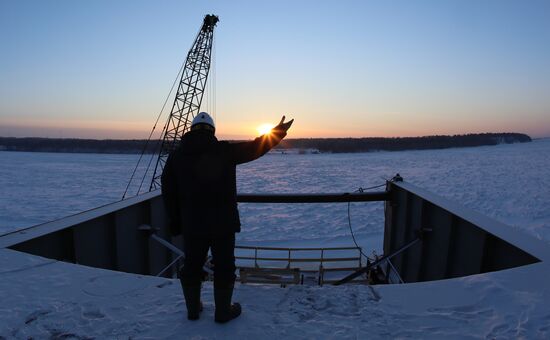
{"points": [[188, 98]]}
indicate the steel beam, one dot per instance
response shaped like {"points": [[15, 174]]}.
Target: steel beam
{"points": [[314, 198]]}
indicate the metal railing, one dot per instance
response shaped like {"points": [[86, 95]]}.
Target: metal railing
{"points": [[289, 259], [275, 264]]}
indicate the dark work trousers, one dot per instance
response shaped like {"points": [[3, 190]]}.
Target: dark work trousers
{"points": [[223, 259]]}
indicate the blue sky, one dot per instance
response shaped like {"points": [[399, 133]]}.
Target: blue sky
{"points": [[102, 69]]}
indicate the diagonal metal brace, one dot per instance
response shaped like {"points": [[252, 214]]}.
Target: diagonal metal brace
{"points": [[377, 262], [181, 255]]}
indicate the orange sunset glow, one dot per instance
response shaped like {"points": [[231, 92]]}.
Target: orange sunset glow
{"points": [[264, 128], [432, 74]]}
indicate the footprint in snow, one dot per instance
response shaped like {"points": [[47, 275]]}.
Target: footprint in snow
{"points": [[35, 315], [93, 314], [164, 284]]}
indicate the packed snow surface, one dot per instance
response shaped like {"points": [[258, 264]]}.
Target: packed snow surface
{"points": [[42, 298]]}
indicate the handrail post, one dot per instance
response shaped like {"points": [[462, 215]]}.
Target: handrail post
{"points": [[321, 268], [288, 265]]}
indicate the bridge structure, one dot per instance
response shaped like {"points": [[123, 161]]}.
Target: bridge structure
{"points": [[426, 237]]}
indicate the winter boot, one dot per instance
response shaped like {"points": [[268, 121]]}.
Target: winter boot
{"points": [[192, 294], [193, 302], [225, 311]]}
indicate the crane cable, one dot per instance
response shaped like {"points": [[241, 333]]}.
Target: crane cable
{"points": [[211, 83], [154, 127], [151, 134], [214, 76], [168, 120]]}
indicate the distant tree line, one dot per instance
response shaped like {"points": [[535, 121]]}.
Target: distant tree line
{"points": [[78, 145], [330, 145], [338, 145]]}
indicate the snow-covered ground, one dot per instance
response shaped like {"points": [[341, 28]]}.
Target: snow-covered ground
{"points": [[45, 299], [41, 298], [507, 182]]}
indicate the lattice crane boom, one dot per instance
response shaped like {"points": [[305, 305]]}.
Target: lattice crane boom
{"points": [[188, 98]]}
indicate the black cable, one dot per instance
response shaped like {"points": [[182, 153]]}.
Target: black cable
{"points": [[154, 127], [352, 235], [370, 188], [151, 159], [360, 189], [151, 134]]}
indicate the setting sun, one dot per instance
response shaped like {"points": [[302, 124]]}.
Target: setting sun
{"points": [[264, 128]]}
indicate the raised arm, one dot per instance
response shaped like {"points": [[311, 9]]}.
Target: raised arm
{"points": [[249, 151]]}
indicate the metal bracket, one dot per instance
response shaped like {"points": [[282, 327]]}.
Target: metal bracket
{"points": [[397, 178]]}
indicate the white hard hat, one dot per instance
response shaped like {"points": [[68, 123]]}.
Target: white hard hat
{"points": [[203, 118]]}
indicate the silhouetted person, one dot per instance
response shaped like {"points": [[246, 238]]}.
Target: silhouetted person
{"points": [[200, 193]]}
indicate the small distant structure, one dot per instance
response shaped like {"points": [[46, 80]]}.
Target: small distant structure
{"points": [[297, 151], [308, 151]]}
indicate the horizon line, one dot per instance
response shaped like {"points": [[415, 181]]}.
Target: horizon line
{"points": [[240, 139]]}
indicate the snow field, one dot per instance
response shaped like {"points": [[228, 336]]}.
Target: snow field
{"points": [[506, 182], [42, 298]]}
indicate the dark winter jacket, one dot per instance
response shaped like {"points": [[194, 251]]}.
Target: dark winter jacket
{"points": [[199, 182]]}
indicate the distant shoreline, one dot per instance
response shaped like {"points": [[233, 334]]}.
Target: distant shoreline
{"points": [[301, 145]]}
